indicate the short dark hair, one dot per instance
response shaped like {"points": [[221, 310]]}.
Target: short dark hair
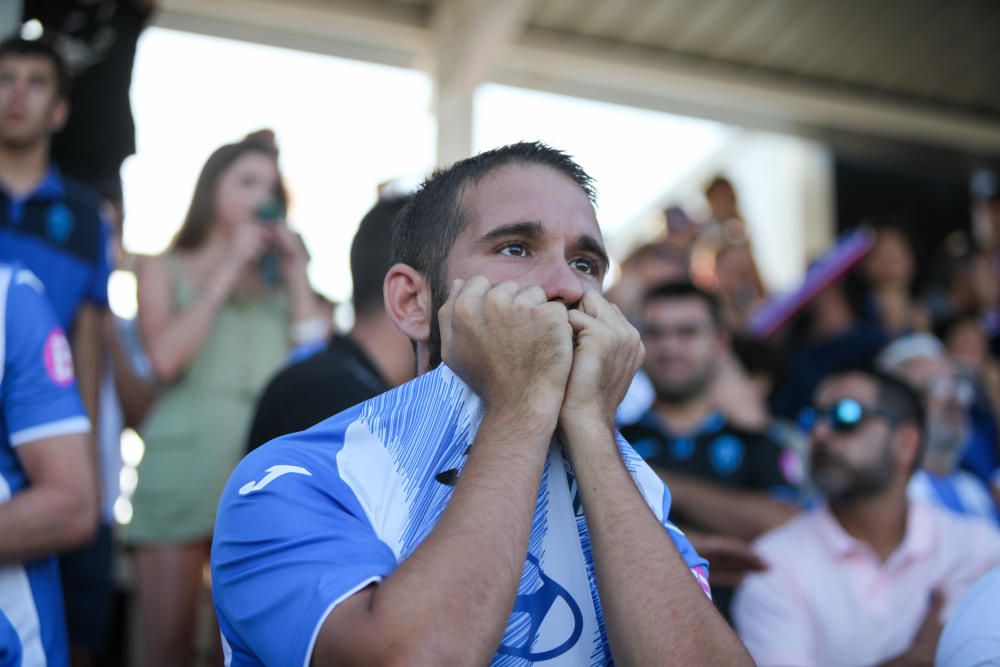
{"points": [[15, 46], [371, 254], [426, 229], [685, 289], [428, 226], [201, 213], [895, 396]]}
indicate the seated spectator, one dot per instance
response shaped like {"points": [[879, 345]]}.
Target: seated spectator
{"points": [[863, 579], [966, 286], [682, 231], [884, 285], [971, 637], [920, 361], [725, 479], [369, 360], [827, 335], [967, 342], [738, 284], [48, 487]]}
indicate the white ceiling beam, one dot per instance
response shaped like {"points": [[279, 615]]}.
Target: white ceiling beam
{"points": [[470, 37]]}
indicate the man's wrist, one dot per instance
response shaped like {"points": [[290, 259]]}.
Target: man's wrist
{"points": [[586, 421], [525, 430]]}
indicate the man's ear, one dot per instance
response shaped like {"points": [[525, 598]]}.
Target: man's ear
{"points": [[60, 112], [909, 450], [408, 304]]}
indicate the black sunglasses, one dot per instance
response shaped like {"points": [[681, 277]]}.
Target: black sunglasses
{"points": [[844, 415]]}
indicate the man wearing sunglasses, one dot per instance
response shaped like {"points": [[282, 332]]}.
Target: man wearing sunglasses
{"points": [[864, 578]]}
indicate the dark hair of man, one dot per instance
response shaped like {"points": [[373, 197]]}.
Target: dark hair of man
{"points": [[894, 396], [201, 213], [14, 47], [371, 254], [677, 290], [427, 228]]}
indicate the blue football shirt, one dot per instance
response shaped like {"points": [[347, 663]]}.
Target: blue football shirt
{"points": [[38, 399], [313, 517], [58, 233]]}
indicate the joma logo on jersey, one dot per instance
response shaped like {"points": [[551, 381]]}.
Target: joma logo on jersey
{"points": [[273, 473]]}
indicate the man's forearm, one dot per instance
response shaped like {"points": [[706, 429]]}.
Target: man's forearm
{"points": [[655, 611], [449, 602], [742, 514], [42, 520]]}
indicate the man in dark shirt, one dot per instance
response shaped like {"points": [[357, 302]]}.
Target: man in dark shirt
{"points": [[369, 360], [727, 481]]}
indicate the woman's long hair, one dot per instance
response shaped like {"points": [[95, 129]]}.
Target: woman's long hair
{"points": [[201, 214]]}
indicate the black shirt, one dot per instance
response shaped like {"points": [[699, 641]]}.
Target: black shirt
{"points": [[717, 452], [314, 389]]}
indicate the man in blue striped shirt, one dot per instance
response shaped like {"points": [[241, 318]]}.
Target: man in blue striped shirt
{"points": [[487, 511]]}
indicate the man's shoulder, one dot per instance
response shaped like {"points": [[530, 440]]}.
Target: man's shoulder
{"points": [[82, 195], [958, 528], [327, 366]]}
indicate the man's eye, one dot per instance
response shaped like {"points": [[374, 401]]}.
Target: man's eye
{"points": [[585, 265], [514, 250]]}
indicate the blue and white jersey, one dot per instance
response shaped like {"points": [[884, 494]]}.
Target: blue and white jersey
{"points": [[38, 399], [313, 517]]}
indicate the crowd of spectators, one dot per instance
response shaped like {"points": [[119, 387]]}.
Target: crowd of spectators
{"points": [[841, 476]]}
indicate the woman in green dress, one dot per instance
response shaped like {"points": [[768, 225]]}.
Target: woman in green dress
{"points": [[218, 313]]}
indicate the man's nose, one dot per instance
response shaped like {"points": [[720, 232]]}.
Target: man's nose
{"points": [[562, 283], [820, 431]]}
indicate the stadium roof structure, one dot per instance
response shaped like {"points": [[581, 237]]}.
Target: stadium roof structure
{"points": [[920, 72]]}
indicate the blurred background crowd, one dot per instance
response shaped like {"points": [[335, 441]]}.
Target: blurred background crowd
{"points": [[791, 289]]}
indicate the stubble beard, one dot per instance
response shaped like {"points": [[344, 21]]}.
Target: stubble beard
{"points": [[692, 389], [848, 484]]}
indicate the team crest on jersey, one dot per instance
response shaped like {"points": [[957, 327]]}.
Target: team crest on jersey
{"points": [[59, 223], [58, 359], [726, 454], [550, 605]]}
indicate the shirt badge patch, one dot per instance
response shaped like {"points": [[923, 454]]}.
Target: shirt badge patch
{"points": [[726, 454], [682, 448], [58, 359], [59, 223]]}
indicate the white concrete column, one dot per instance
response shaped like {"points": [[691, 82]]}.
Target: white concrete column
{"points": [[470, 36]]}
